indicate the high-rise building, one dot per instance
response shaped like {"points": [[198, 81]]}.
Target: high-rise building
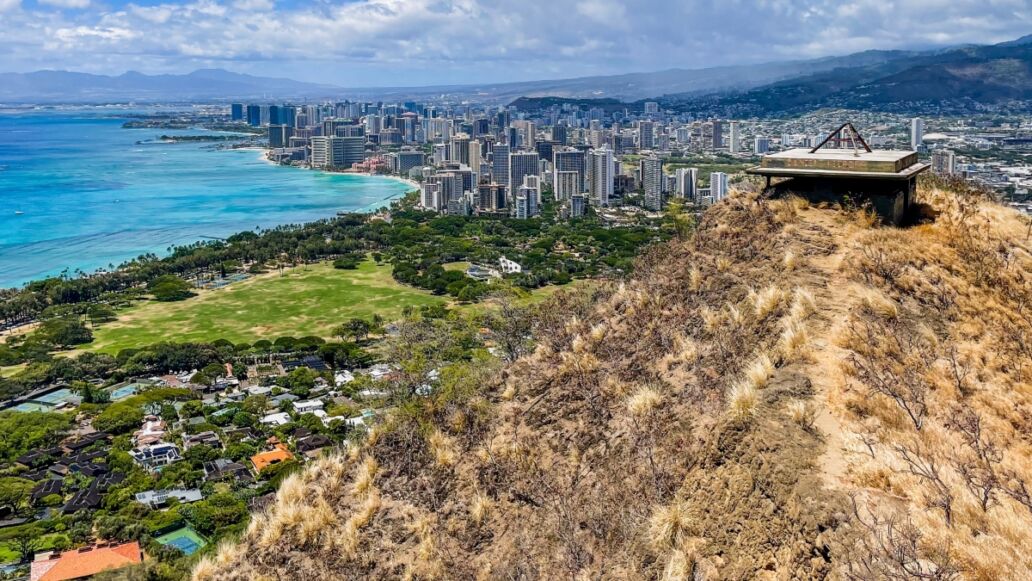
{"points": [[491, 197], [500, 164], [522, 164], [761, 145], [279, 135], [460, 148], [651, 108], [646, 135], [734, 138], [652, 182], [916, 133], [531, 196], [522, 207], [576, 206], [565, 185], [944, 162], [322, 155], [687, 178], [718, 186], [718, 134], [275, 115], [254, 115], [409, 159], [569, 160], [559, 134], [236, 111], [475, 155], [600, 175], [335, 151]]}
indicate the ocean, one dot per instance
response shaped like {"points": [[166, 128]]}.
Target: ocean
{"points": [[78, 192]]}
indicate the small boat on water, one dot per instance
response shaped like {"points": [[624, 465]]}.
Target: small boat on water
{"points": [[18, 212]]}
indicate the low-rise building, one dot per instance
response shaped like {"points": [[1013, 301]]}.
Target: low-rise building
{"points": [[156, 455], [308, 406], [263, 460], [85, 562], [159, 498], [508, 266], [277, 419]]}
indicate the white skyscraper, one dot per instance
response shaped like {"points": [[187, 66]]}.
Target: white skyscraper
{"points": [[734, 138], [600, 175], [916, 133], [652, 182], [944, 162], [474, 157], [687, 178], [718, 186]]}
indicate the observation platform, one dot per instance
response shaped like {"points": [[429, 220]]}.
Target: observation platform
{"points": [[886, 179]]}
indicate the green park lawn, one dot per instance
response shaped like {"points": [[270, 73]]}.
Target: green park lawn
{"points": [[307, 300]]}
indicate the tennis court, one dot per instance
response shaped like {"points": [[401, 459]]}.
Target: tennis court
{"points": [[185, 539]]}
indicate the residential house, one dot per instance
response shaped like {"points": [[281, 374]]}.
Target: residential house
{"points": [[277, 419], [225, 469], [159, 498], [263, 460], [311, 445], [156, 455], [152, 432], [208, 438], [308, 406], [85, 562], [343, 377]]}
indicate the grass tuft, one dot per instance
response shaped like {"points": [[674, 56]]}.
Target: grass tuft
{"points": [[644, 401]]}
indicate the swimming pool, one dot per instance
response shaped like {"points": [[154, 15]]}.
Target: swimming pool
{"points": [[124, 391]]}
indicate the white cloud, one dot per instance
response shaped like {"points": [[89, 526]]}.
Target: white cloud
{"points": [[422, 41], [66, 3], [253, 4]]}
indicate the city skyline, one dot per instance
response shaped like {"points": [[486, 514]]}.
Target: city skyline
{"points": [[426, 42]]}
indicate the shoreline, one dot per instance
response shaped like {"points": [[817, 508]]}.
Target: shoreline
{"points": [[330, 212], [264, 156]]}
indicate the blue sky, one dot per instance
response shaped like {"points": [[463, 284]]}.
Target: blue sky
{"points": [[417, 42]]}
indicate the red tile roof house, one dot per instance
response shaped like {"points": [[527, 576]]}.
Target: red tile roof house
{"points": [[85, 562]]}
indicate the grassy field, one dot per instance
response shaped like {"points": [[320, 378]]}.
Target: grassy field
{"points": [[303, 301], [11, 370]]}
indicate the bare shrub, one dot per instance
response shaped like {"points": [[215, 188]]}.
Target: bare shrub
{"points": [[892, 360], [979, 468], [922, 463], [891, 547]]}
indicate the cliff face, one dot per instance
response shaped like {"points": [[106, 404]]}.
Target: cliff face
{"points": [[792, 392]]}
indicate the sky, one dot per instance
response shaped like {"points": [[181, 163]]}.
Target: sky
{"points": [[369, 43]]}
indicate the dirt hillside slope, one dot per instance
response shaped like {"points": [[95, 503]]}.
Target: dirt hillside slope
{"points": [[791, 393]]}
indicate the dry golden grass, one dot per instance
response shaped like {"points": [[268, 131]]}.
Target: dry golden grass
{"points": [[644, 401], [742, 400], [766, 301], [669, 527], [641, 440], [443, 448], [759, 372]]}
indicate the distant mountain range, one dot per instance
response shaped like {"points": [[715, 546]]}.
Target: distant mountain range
{"points": [[964, 78], [884, 79], [204, 84]]}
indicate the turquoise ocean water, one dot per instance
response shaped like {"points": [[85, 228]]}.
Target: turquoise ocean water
{"points": [[91, 195]]}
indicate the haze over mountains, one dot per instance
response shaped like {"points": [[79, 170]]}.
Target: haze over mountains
{"points": [[871, 78]]}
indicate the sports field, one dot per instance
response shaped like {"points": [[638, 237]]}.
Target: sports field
{"points": [[185, 539], [308, 300]]}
